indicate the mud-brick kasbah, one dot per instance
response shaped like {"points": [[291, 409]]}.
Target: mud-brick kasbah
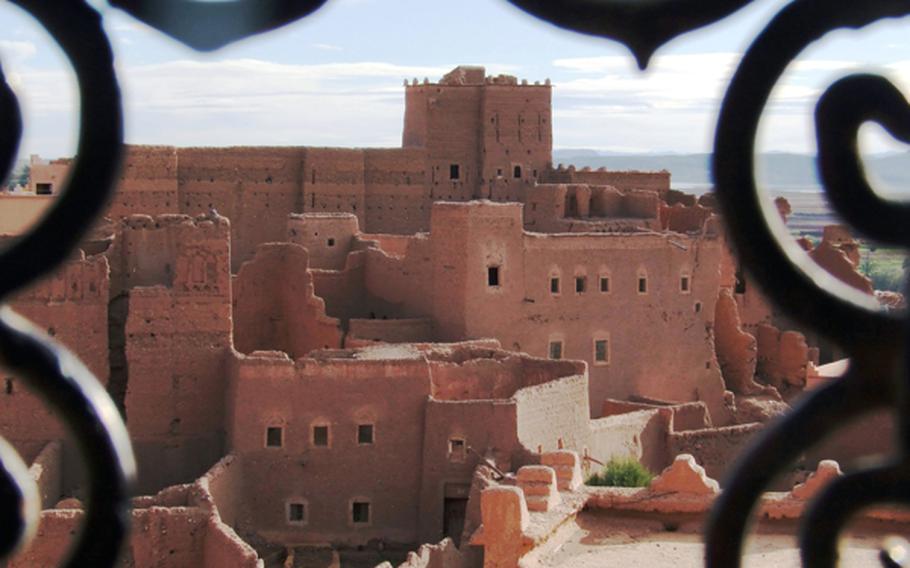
{"points": [[356, 352]]}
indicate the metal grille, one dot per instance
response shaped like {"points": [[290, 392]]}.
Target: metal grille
{"points": [[873, 339]]}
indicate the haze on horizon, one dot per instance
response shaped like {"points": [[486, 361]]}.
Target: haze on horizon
{"points": [[335, 79]]}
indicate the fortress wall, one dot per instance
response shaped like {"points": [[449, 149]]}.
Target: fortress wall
{"points": [[452, 114], [389, 394], [256, 187], [275, 307], [333, 181], [396, 194], [714, 448], [148, 182], [517, 133], [328, 237]]}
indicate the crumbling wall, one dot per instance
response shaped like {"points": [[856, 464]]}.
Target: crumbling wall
{"points": [[783, 357], [406, 330], [328, 237], [641, 434], [47, 471], [736, 350], [554, 415], [715, 448], [71, 306], [344, 291], [621, 180], [176, 340], [274, 305], [684, 219]]}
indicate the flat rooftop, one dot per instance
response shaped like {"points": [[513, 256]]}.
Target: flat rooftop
{"points": [[602, 540]]}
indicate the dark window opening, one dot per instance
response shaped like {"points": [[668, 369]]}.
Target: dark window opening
{"points": [[360, 512], [365, 434], [580, 284], [454, 171], [273, 437], [600, 350], [516, 172], [296, 512], [492, 276], [9, 386], [44, 188], [684, 284], [321, 436], [604, 284], [554, 285], [330, 242], [556, 350], [697, 307], [457, 449], [740, 287], [642, 285], [498, 172]]}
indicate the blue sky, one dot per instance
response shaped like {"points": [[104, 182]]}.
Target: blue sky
{"points": [[334, 79]]}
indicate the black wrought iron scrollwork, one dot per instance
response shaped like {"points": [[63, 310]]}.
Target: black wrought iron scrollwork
{"points": [[210, 25], [641, 25], [46, 367], [875, 339]]}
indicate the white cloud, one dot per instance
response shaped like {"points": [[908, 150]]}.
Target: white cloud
{"points": [[17, 50]]}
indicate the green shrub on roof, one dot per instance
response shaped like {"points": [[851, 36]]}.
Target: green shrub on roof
{"points": [[622, 472]]}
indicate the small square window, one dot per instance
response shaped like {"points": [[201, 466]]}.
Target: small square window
{"points": [[556, 350], [554, 285], [601, 353], [454, 171], [642, 285], [580, 284], [604, 284], [321, 436], [44, 189], [360, 512], [330, 242], [457, 449], [492, 276], [684, 284], [499, 172], [364, 433], [274, 437], [296, 513]]}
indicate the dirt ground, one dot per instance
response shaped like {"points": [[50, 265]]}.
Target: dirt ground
{"points": [[602, 542]]}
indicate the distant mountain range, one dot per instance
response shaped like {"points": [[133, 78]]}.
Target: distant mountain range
{"points": [[890, 173]]}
